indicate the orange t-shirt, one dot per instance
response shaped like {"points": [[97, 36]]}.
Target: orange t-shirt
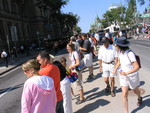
{"points": [[53, 72]]}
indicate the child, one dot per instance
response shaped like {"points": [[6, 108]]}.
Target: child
{"points": [[63, 61]]}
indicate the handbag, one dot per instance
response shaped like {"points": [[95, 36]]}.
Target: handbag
{"points": [[72, 76], [81, 66]]}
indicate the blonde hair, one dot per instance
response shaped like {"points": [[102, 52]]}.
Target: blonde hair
{"points": [[31, 64]]}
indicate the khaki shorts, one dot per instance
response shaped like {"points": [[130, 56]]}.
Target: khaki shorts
{"points": [[78, 83], [88, 60], [107, 70], [131, 81]]}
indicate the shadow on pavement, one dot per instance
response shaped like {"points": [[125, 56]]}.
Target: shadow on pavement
{"points": [[95, 105], [146, 103], [11, 88], [95, 95], [93, 90], [99, 75]]}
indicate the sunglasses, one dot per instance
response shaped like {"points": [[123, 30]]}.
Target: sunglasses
{"points": [[25, 71]]}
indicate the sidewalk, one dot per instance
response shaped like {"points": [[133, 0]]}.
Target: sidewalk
{"points": [[97, 101], [13, 64], [141, 37]]}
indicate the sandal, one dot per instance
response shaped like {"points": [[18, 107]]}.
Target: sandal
{"points": [[113, 93], [80, 101], [107, 89], [139, 103]]}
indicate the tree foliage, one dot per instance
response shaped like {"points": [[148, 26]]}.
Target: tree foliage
{"points": [[113, 15]]}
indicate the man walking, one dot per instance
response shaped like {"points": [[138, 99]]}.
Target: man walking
{"points": [[86, 50], [4, 55], [107, 55], [52, 71]]}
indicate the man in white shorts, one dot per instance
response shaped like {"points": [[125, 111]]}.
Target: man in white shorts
{"points": [[86, 50], [107, 56]]}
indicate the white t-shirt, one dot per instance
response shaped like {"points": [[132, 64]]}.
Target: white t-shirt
{"points": [[4, 53], [107, 35], [92, 45], [125, 61], [96, 36], [74, 55], [137, 30], [107, 54], [120, 33]]}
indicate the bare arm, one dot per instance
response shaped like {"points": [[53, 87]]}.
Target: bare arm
{"points": [[83, 49], [116, 66], [76, 64], [100, 65]]}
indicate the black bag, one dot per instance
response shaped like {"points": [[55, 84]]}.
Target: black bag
{"points": [[72, 76], [62, 69]]}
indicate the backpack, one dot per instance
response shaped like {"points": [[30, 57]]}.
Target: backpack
{"points": [[62, 69], [72, 76], [137, 59]]}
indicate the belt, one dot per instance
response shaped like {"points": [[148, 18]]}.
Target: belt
{"points": [[108, 62]]}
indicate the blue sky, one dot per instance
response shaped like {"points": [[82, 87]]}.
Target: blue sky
{"points": [[88, 9]]}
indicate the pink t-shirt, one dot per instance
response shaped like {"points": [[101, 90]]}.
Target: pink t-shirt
{"points": [[39, 95]]}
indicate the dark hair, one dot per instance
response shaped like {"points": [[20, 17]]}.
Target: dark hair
{"points": [[72, 46], [123, 49], [44, 54], [84, 34], [63, 59]]}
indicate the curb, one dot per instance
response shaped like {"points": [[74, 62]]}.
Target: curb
{"points": [[15, 66]]}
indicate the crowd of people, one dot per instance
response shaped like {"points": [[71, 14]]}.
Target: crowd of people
{"points": [[48, 89]]}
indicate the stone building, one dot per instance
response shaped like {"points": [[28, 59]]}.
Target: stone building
{"points": [[22, 22]]}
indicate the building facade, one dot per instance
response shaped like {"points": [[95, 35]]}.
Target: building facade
{"points": [[23, 22]]}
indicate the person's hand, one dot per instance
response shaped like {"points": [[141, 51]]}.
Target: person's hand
{"points": [[114, 72], [123, 73], [71, 67]]}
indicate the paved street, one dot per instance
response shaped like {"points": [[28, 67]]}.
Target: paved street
{"points": [[96, 101]]}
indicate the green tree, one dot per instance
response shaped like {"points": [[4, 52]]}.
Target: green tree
{"points": [[113, 15]]}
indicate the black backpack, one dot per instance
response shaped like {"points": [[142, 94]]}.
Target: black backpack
{"points": [[137, 58], [63, 71]]}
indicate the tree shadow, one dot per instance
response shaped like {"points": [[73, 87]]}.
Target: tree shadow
{"points": [[92, 106], [146, 103], [11, 88]]}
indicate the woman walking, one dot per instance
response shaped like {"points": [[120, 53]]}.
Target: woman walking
{"points": [[129, 77], [39, 94], [74, 57]]}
